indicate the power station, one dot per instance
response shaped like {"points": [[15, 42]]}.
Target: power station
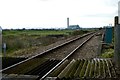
{"points": [[73, 27]]}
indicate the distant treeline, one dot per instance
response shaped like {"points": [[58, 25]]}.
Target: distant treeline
{"points": [[31, 29], [53, 29], [49, 29]]}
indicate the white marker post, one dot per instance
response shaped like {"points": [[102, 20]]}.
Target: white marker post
{"points": [[4, 47]]}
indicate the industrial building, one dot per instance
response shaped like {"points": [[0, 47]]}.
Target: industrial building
{"points": [[73, 27]]}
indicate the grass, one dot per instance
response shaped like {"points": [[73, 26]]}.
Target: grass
{"points": [[35, 32], [108, 53]]}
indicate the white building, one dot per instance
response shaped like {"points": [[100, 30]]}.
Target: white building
{"points": [[74, 27]]}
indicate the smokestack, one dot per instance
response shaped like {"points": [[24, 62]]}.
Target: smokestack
{"points": [[67, 22], [116, 20]]}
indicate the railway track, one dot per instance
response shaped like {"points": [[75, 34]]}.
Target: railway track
{"points": [[67, 57], [63, 51], [45, 52], [45, 66]]}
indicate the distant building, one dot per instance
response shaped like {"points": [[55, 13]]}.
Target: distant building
{"points": [[73, 27]]}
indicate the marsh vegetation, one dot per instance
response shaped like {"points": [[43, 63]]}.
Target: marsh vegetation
{"points": [[27, 41]]}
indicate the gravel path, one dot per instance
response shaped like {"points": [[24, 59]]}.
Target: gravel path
{"points": [[89, 50]]}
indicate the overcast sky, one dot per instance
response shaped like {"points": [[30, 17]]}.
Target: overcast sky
{"points": [[54, 13]]}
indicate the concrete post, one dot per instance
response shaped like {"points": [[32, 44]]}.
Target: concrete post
{"points": [[4, 47], [117, 38], [0, 52], [117, 45]]}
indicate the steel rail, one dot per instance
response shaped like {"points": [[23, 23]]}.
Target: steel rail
{"points": [[65, 58], [46, 51]]}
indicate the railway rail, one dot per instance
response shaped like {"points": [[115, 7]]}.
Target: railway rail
{"points": [[43, 70], [63, 51]]}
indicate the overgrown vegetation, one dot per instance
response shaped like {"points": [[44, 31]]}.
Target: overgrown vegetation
{"points": [[30, 40], [108, 53], [78, 32]]}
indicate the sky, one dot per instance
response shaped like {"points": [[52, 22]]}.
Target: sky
{"points": [[18, 14]]}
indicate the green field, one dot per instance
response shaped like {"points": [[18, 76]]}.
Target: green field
{"points": [[21, 41], [35, 32]]}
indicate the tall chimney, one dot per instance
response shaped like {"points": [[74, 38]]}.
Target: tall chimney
{"points": [[67, 22]]}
